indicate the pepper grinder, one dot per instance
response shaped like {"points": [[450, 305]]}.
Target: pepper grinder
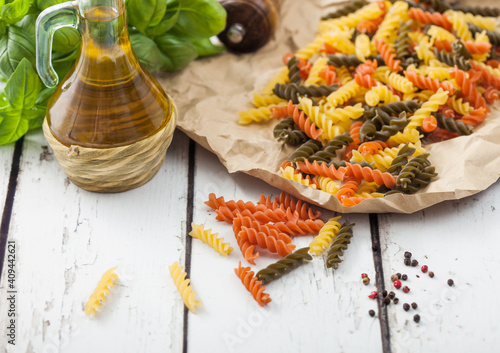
{"points": [[250, 23]]}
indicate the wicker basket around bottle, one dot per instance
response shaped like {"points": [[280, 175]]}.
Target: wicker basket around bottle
{"points": [[114, 169]]}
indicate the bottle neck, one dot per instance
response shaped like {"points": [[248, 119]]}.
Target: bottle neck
{"points": [[103, 23], [106, 52]]}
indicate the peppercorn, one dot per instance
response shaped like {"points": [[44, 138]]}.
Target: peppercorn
{"points": [[399, 275], [414, 305], [373, 295], [424, 268], [407, 261], [397, 284], [392, 295], [371, 313], [395, 300], [406, 289], [416, 318], [384, 293], [450, 282], [406, 306], [431, 274], [363, 275], [407, 254], [404, 277], [414, 263], [387, 300], [366, 280], [394, 278]]}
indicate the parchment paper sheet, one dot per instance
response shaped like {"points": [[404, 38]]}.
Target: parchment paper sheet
{"points": [[210, 92]]}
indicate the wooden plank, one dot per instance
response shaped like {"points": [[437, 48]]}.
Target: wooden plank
{"points": [[8, 180], [312, 308], [457, 240], [67, 238], [6, 157]]}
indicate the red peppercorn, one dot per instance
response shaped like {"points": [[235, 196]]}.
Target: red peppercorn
{"points": [[363, 275], [373, 295], [397, 284], [424, 268], [406, 289]]}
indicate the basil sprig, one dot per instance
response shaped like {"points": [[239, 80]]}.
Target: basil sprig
{"points": [[165, 34]]}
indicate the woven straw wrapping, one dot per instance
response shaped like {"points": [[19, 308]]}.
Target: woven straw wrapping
{"points": [[114, 169]]}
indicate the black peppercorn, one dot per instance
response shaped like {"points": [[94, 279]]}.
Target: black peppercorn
{"points": [[450, 282], [384, 293], [414, 263], [395, 300], [405, 277], [407, 261], [431, 274], [416, 318], [392, 295], [387, 301], [407, 254], [399, 275], [414, 305], [371, 312], [406, 306]]}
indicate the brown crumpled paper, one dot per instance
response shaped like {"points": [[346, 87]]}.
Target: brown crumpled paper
{"points": [[210, 92]]}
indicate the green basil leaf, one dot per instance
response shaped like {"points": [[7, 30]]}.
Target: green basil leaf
{"points": [[23, 86], [28, 23], [13, 12], [179, 51], [3, 27], [43, 97], [4, 104], [43, 4], [66, 40], [204, 47], [200, 19], [35, 117], [37, 122], [148, 52], [12, 125], [15, 45], [167, 23], [145, 13]]}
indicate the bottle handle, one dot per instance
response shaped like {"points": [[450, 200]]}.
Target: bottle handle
{"points": [[50, 20]]}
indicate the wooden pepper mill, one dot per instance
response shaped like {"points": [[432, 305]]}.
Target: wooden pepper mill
{"points": [[250, 23]]}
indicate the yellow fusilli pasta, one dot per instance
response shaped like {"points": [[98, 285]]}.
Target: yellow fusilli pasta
{"points": [[211, 239], [94, 303], [325, 236], [182, 284]]}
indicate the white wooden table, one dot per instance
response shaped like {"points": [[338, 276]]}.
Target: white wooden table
{"points": [[65, 238]]}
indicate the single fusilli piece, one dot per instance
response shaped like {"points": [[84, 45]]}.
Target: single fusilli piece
{"points": [[211, 239], [182, 284], [253, 285], [326, 235], [284, 266], [339, 244], [107, 281]]}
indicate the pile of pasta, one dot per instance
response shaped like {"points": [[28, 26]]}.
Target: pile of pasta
{"points": [[270, 225], [379, 82]]}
